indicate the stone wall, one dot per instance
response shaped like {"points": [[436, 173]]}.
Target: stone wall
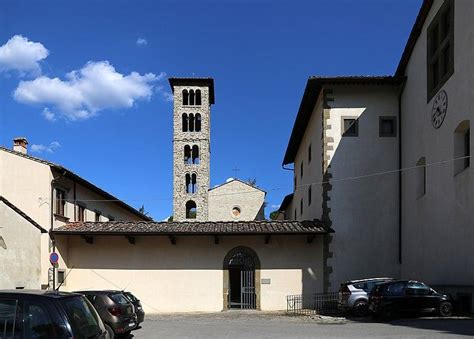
{"points": [[180, 169]]}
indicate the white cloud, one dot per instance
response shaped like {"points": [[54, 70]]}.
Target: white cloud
{"points": [[22, 55], [141, 42], [48, 115], [51, 148], [168, 96], [275, 206], [85, 92]]}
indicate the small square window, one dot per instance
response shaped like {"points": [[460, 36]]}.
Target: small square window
{"points": [[388, 127], [61, 277], [350, 127]]}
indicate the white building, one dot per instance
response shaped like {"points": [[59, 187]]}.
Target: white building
{"points": [[52, 195], [404, 221]]}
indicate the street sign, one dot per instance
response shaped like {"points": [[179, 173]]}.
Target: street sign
{"points": [[53, 258]]}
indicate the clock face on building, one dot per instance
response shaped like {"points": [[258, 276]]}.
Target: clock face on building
{"points": [[440, 107]]}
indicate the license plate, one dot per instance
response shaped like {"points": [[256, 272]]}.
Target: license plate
{"points": [[131, 325]]}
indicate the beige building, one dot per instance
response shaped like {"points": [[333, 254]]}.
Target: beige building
{"points": [[52, 195], [20, 248], [385, 161], [236, 200]]}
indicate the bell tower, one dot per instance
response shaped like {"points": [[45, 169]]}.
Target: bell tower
{"points": [[192, 100]]}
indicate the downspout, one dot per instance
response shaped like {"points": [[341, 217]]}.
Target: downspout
{"points": [[53, 244], [400, 247]]}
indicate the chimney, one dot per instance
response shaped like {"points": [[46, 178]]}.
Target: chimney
{"points": [[20, 145]]}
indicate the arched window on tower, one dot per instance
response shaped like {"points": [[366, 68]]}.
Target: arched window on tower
{"points": [[195, 155], [187, 155], [191, 122], [188, 183], [194, 185], [198, 97], [191, 97], [185, 97], [191, 210], [185, 122], [197, 123]]}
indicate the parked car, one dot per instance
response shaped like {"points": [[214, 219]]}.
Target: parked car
{"points": [[354, 295], [138, 306], [48, 314], [408, 296], [115, 310]]}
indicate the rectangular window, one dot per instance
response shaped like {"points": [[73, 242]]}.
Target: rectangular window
{"points": [[81, 212], [60, 202], [440, 49], [462, 147], [421, 177], [295, 213], [350, 127], [309, 196], [295, 181], [61, 276], [97, 216], [301, 171], [301, 207], [387, 127], [309, 153]]}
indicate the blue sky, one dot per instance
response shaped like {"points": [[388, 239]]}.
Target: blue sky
{"points": [[118, 134]]}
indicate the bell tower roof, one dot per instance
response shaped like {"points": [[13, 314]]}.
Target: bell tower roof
{"points": [[209, 82]]}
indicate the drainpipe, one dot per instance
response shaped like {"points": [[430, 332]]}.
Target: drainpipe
{"points": [[53, 182], [402, 87]]}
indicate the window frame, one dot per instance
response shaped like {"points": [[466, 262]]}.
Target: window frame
{"points": [[435, 56], [79, 206], [387, 118], [344, 133], [97, 215], [63, 201], [309, 195]]}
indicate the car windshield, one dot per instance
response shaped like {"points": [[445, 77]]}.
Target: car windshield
{"points": [[118, 298], [83, 318], [131, 297]]}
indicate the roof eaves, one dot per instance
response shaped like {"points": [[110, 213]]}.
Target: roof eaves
{"points": [[23, 214], [176, 81]]}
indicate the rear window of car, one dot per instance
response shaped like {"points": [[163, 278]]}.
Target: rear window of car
{"points": [[10, 326], [131, 297], [118, 298], [82, 317]]}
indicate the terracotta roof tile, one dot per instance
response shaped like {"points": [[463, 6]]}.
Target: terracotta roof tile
{"points": [[193, 228]]}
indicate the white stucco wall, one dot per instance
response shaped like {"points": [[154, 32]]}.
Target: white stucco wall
{"points": [[438, 228], [363, 212], [189, 276], [224, 198], [20, 257]]}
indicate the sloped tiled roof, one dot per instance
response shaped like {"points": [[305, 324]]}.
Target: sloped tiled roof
{"points": [[79, 179], [194, 228], [23, 214]]}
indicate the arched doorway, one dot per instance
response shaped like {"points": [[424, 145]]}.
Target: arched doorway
{"points": [[241, 279]]}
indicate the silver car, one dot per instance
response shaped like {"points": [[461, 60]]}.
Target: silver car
{"points": [[354, 295]]}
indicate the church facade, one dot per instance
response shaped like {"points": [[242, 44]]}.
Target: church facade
{"points": [[218, 252]]}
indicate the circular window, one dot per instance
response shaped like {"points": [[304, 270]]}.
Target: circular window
{"points": [[236, 212]]}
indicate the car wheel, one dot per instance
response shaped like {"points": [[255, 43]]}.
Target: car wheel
{"points": [[110, 332], [446, 309], [360, 308]]}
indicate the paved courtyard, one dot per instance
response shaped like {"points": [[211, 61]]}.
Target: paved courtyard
{"points": [[237, 324]]}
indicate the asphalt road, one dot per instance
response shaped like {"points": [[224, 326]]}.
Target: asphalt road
{"points": [[236, 324]]}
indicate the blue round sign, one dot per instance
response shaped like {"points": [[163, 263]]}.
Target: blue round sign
{"points": [[53, 258]]}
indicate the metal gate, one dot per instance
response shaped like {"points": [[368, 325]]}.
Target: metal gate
{"points": [[244, 262], [247, 290]]}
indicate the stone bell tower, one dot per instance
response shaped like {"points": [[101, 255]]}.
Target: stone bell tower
{"points": [[193, 98]]}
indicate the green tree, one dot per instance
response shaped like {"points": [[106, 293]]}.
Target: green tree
{"points": [[273, 215]]}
